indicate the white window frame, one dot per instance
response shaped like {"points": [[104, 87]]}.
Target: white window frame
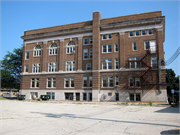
{"points": [[130, 34], [109, 36], [71, 64], [107, 49], [152, 46], [36, 81], [48, 82], [90, 51], [135, 62], [85, 42], [90, 81], [90, 40], [109, 80], [142, 33], [153, 58], [36, 68], [36, 52], [131, 78], [71, 79], [85, 79], [116, 47], [66, 79], [133, 45], [116, 61], [27, 54], [103, 37], [26, 68], [151, 31], [53, 82], [135, 80], [33, 81], [52, 67], [136, 34], [107, 61], [70, 49], [53, 50], [116, 80], [104, 78], [87, 66], [84, 52]]}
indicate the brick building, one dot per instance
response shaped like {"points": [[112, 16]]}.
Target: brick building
{"points": [[112, 59]]}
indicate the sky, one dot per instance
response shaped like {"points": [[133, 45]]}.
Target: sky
{"points": [[18, 16]]}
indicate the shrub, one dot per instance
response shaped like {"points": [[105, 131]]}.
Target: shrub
{"points": [[150, 102]]}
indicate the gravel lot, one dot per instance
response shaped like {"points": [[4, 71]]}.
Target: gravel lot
{"points": [[40, 118]]}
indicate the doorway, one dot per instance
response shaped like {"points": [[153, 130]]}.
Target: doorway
{"points": [[117, 96], [77, 96]]}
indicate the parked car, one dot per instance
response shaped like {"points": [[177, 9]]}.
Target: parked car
{"points": [[176, 97], [21, 97], [45, 97]]}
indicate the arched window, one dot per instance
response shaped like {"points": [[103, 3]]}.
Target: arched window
{"points": [[70, 47], [37, 50], [53, 49]]}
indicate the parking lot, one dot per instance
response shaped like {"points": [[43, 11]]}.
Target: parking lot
{"points": [[47, 118]]}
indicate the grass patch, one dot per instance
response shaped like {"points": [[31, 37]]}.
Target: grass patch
{"points": [[2, 98]]}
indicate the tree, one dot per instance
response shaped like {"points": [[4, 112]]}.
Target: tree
{"points": [[172, 80], [11, 66]]}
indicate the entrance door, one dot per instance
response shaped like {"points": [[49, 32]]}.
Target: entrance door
{"points": [[138, 97], [77, 96], [90, 96], [117, 96]]}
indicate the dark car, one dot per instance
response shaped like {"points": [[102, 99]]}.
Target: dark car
{"points": [[21, 97], [45, 97], [176, 97]]}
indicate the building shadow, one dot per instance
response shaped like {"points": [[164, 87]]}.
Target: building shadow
{"points": [[168, 110], [170, 132], [99, 119]]}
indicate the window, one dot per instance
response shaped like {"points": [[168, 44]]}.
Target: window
{"points": [[88, 66], [37, 51], [54, 82], [135, 64], [34, 83], [109, 36], [134, 81], [49, 82], [90, 53], [134, 46], [85, 54], [26, 68], [104, 37], [116, 48], [66, 81], [72, 81], [85, 41], [70, 66], [70, 47], [36, 68], [84, 81], [107, 64], [90, 81], [153, 62], [27, 56], [110, 80], [90, 41], [131, 96], [84, 96], [116, 80], [137, 33], [109, 93], [53, 95], [147, 46], [107, 48], [104, 81], [53, 49], [51, 85], [131, 34], [150, 45], [150, 32], [52, 67], [143, 32], [116, 63]]}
